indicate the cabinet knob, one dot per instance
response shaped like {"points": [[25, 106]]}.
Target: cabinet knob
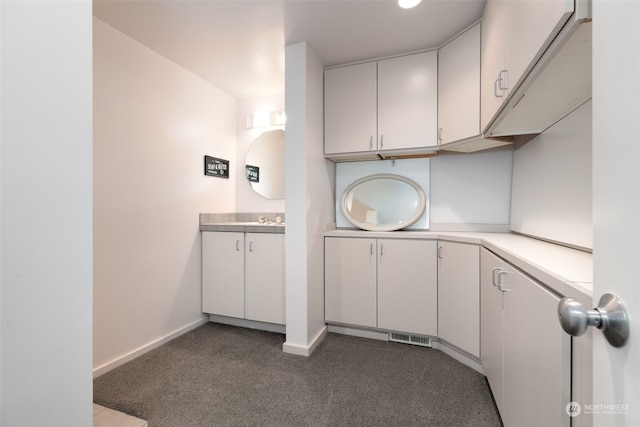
{"points": [[610, 317]]}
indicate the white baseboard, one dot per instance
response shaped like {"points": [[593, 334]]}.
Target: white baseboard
{"points": [[362, 333], [147, 347], [448, 349], [459, 355], [299, 350], [251, 324]]}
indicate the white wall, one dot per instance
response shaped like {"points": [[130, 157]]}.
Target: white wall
{"points": [[153, 124], [309, 195], [247, 199], [471, 191], [552, 183], [45, 215]]}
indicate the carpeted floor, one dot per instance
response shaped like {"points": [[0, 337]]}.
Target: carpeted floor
{"points": [[218, 375]]}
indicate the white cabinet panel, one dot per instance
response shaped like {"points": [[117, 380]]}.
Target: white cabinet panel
{"points": [[537, 356], [382, 283], [407, 286], [350, 281], [243, 275], [459, 295], [264, 277], [407, 101], [514, 36], [350, 109], [529, 29], [459, 88], [525, 354], [223, 273], [491, 325], [382, 106], [492, 59]]}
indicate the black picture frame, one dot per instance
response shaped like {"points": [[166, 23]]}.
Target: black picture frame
{"points": [[214, 166]]}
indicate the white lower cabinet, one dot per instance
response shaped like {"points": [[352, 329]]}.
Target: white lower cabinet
{"points": [[243, 275], [389, 284], [459, 295], [525, 354]]}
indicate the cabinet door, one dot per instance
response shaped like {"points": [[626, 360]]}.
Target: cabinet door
{"points": [[459, 295], [408, 101], [223, 273], [491, 325], [350, 281], [350, 111], [537, 356], [459, 88], [492, 59], [407, 286], [529, 28], [264, 277]]}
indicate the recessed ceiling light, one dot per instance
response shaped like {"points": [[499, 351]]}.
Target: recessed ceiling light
{"points": [[408, 4]]}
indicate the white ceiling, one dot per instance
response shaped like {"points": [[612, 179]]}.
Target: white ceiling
{"points": [[238, 45]]}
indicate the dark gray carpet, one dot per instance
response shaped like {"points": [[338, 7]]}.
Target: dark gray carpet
{"points": [[218, 375]]}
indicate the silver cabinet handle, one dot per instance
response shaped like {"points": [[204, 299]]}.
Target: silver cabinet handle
{"points": [[381, 249], [495, 89], [251, 246], [500, 287], [439, 135], [371, 249], [610, 317], [381, 141], [500, 80], [494, 280], [440, 252], [371, 143], [237, 245]]}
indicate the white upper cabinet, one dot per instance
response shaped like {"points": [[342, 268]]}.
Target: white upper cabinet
{"points": [[492, 63], [350, 109], [459, 88], [388, 106], [515, 35], [407, 102]]}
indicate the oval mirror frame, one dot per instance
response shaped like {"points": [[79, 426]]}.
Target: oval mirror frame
{"points": [[382, 206]]}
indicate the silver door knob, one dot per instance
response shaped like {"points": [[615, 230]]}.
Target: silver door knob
{"points": [[610, 317]]}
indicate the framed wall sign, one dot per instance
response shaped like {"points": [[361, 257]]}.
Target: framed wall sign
{"points": [[252, 173], [216, 167]]}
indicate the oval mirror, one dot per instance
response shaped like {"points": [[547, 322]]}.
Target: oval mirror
{"points": [[264, 164], [383, 202]]}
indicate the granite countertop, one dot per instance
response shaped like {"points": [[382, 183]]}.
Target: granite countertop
{"points": [[268, 222]]}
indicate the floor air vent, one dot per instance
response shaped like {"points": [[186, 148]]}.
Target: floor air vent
{"points": [[410, 339]]}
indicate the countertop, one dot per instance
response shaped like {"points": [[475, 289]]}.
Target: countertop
{"points": [[567, 271], [246, 227], [262, 222]]}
